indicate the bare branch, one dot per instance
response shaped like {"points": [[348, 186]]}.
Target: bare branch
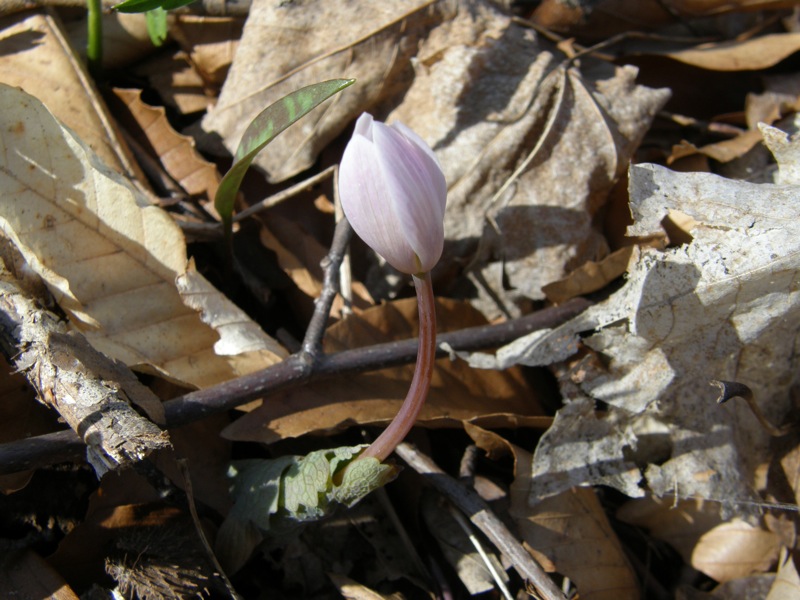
{"points": [[294, 372]]}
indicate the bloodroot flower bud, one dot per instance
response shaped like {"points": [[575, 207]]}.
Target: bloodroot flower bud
{"points": [[393, 193]]}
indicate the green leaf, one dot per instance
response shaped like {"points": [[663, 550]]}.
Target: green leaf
{"points": [[157, 26], [140, 6], [265, 127], [272, 496]]}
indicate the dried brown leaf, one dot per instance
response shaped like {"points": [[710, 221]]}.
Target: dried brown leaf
{"points": [[177, 152], [530, 150], [781, 96], [300, 256], [110, 259], [572, 532], [787, 583], [750, 55], [177, 82], [599, 20], [210, 42], [36, 56], [590, 277], [723, 550], [25, 574], [458, 392], [735, 549], [371, 41], [352, 590], [724, 151]]}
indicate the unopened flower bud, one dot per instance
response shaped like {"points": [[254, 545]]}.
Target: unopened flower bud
{"points": [[393, 193]]}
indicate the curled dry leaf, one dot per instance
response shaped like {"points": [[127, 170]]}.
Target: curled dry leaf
{"points": [[529, 148], [108, 257], [458, 393], [725, 305], [371, 41], [175, 151], [590, 277]]}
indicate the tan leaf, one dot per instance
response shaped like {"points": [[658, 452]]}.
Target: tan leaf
{"points": [[724, 151], [300, 256], [602, 19], [352, 590], [590, 277], [211, 43], [787, 583], [723, 550], [781, 96], [530, 150], [572, 532], [750, 55], [371, 41], [735, 549], [177, 152], [108, 257], [49, 69], [458, 392], [177, 82], [25, 574]]}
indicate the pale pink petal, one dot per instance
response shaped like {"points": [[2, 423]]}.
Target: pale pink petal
{"points": [[364, 126], [418, 141], [368, 207], [418, 192]]}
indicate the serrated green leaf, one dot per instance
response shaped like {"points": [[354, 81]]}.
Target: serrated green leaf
{"points": [[156, 20], [140, 6], [264, 128], [292, 489], [362, 477]]}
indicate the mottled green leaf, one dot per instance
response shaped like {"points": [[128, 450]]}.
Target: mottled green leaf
{"points": [[157, 25], [271, 496], [140, 6], [265, 127]]}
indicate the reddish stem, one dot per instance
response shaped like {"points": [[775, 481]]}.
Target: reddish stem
{"points": [[387, 441]]}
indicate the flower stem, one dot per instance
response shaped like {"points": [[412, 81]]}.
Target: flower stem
{"points": [[387, 441]]}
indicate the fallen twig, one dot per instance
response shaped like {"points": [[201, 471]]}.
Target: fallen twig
{"points": [[293, 372], [483, 518], [89, 390]]}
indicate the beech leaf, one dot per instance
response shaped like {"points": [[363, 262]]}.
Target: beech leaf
{"points": [[109, 257]]}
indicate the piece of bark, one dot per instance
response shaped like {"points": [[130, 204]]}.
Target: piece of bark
{"points": [[90, 391]]}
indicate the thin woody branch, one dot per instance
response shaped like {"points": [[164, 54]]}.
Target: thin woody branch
{"points": [[291, 373], [90, 391]]}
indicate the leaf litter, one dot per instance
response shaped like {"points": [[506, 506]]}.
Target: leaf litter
{"points": [[591, 428]]}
